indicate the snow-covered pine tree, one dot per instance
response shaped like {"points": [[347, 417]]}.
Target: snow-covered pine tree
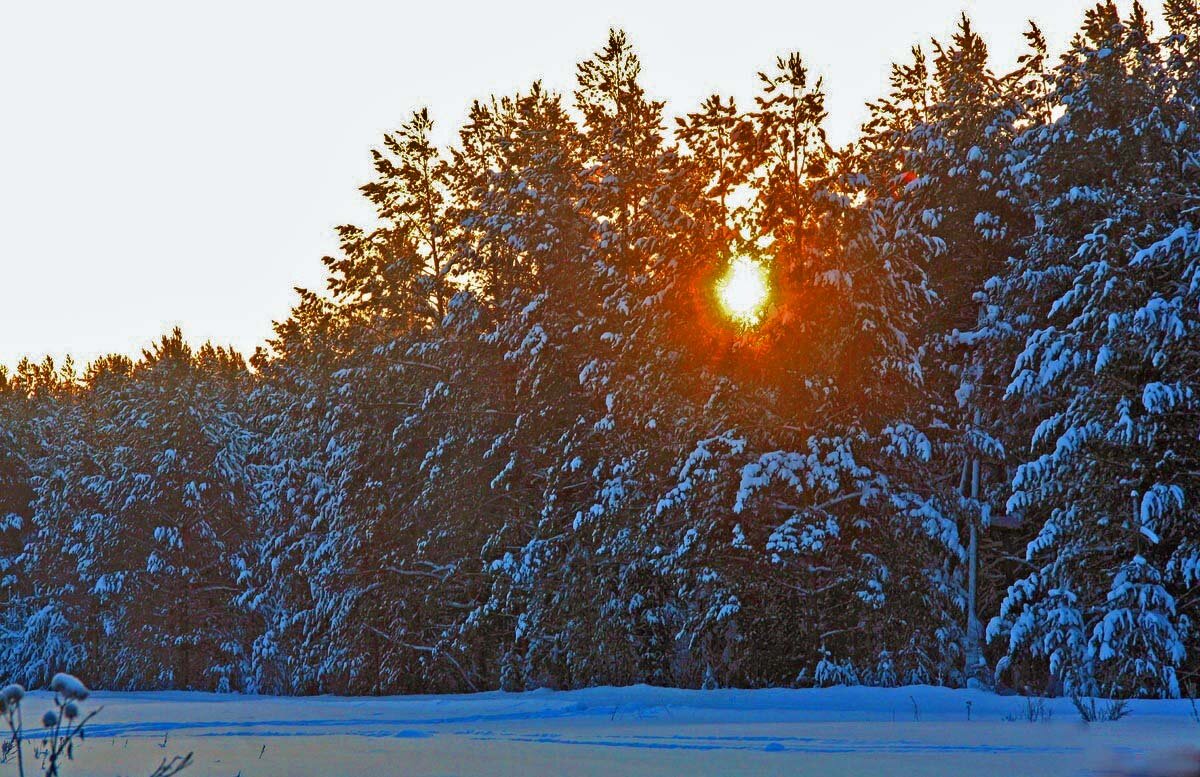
{"points": [[574, 625], [16, 479], [519, 176], [801, 525], [293, 569], [947, 152], [160, 525], [44, 608], [1108, 285]]}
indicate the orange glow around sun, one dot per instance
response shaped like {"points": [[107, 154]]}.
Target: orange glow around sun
{"points": [[744, 290]]}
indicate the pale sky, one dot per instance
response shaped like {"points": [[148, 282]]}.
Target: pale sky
{"points": [[169, 163]]}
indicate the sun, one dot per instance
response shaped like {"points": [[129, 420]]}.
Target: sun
{"points": [[743, 291]]}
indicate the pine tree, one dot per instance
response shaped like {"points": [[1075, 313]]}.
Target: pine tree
{"points": [[1105, 283], [45, 610], [159, 525]]}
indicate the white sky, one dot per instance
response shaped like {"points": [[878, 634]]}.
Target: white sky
{"points": [[169, 163]]}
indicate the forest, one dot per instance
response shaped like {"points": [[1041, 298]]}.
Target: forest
{"points": [[516, 443]]}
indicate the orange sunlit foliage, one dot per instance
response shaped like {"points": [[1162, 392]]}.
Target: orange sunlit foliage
{"points": [[906, 178]]}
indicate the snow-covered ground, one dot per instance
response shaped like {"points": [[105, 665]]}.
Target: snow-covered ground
{"points": [[624, 731]]}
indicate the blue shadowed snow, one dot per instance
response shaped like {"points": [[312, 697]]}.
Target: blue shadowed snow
{"points": [[837, 728]]}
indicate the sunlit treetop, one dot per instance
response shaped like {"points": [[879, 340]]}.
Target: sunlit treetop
{"points": [[744, 290]]}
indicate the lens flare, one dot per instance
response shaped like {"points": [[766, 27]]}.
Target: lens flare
{"points": [[743, 291]]}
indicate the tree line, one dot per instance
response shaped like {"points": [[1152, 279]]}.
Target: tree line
{"points": [[515, 443]]}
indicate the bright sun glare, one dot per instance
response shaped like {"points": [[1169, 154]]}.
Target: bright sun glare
{"points": [[743, 290]]}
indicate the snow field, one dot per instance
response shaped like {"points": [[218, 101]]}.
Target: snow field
{"points": [[638, 730]]}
